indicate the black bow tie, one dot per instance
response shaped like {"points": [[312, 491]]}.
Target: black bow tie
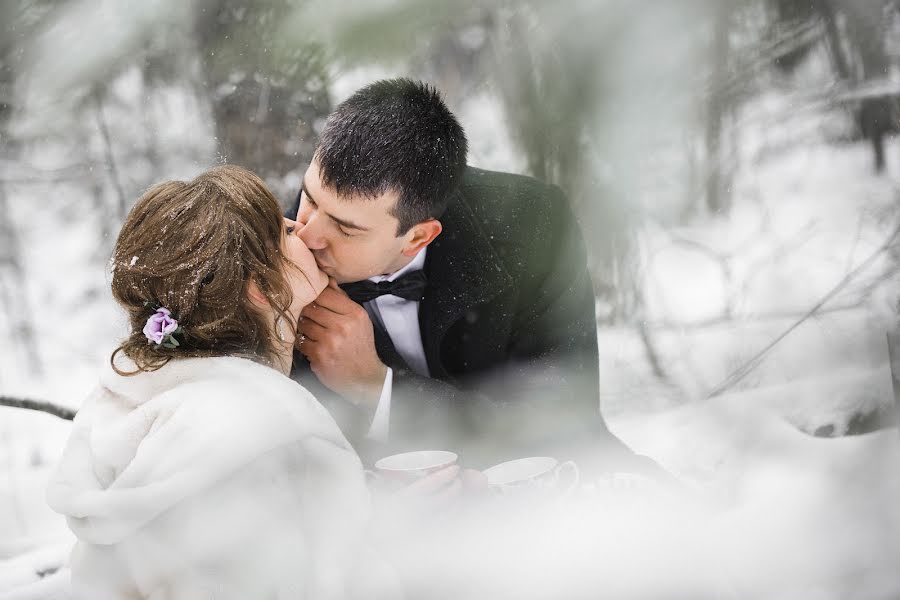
{"points": [[409, 287]]}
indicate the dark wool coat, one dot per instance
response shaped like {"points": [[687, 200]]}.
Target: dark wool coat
{"points": [[509, 333]]}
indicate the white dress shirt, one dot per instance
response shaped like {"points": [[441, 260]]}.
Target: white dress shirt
{"points": [[400, 320]]}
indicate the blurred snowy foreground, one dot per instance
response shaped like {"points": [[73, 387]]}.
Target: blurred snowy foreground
{"points": [[771, 512]]}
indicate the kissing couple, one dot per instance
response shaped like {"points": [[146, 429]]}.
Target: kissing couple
{"points": [[406, 301]]}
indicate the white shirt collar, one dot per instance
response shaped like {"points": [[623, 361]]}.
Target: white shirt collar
{"points": [[416, 264]]}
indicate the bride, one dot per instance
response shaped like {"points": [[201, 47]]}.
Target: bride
{"points": [[197, 468]]}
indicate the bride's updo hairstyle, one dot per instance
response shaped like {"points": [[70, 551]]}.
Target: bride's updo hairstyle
{"points": [[193, 248]]}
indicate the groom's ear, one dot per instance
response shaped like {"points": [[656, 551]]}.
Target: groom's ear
{"points": [[420, 235]]}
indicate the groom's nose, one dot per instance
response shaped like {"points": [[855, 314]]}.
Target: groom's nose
{"points": [[312, 235]]}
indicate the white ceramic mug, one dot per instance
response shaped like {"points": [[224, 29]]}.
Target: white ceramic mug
{"points": [[528, 475], [402, 469]]}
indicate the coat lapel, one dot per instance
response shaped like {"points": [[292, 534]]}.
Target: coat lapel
{"points": [[463, 271]]}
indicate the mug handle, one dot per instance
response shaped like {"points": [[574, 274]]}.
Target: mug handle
{"points": [[575, 475]]}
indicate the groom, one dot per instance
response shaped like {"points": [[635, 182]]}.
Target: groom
{"points": [[461, 315]]}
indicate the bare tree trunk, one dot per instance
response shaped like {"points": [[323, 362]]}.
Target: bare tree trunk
{"points": [[717, 107], [12, 274], [106, 221], [549, 107], [878, 113], [13, 293], [893, 341], [833, 37], [112, 167], [264, 101], [151, 139]]}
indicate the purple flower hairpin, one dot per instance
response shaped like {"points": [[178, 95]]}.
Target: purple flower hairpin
{"points": [[161, 329]]}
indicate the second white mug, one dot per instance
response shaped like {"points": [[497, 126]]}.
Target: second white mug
{"points": [[535, 473]]}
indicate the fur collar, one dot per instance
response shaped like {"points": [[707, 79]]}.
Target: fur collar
{"points": [[142, 443]]}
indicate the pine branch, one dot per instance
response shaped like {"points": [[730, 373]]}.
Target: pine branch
{"points": [[54, 409]]}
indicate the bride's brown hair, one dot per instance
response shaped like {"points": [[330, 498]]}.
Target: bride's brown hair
{"points": [[193, 247]]}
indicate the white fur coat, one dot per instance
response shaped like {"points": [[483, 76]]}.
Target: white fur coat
{"points": [[213, 478]]}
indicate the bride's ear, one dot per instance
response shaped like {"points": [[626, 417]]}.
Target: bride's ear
{"points": [[256, 296]]}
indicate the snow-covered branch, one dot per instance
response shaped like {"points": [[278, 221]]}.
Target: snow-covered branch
{"points": [[737, 375], [54, 409]]}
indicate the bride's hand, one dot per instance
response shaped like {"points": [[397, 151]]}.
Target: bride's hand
{"points": [[438, 490], [433, 494]]}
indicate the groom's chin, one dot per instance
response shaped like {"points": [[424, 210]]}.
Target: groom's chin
{"points": [[332, 273], [325, 268]]}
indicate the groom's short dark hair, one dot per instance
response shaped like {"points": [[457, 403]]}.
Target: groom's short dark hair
{"points": [[395, 134]]}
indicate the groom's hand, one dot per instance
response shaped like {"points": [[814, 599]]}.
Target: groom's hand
{"points": [[338, 340]]}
